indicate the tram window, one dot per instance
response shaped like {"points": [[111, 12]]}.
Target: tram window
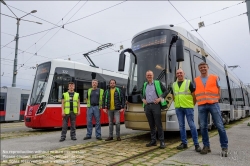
{"points": [[186, 65], [224, 87], [2, 104], [82, 88], [86, 86], [233, 92], [197, 61], [59, 86], [23, 104], [245, 97], [239, 97]]}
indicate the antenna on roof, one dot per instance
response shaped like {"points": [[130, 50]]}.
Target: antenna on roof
{"points": [[233, 67], [102, 47]]}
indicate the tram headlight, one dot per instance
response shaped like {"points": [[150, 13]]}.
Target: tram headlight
{"points": [[41, 108]]}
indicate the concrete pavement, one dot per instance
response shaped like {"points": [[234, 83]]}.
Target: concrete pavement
{"points": [[239, 151], [131, 151]]}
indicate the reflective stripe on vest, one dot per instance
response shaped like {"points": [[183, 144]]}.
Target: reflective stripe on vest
{"points": [[100, 97], [208, 94], [67, 102], [158, 91], [182, 95]]}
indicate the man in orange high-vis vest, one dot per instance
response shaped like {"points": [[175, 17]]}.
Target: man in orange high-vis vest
{"points": [[207, 94]]}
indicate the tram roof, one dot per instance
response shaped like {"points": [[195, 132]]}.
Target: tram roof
{"points": [[187, 35], [191, 38], [89, 68]]}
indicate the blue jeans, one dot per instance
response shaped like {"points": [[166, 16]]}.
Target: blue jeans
{"points": [[215, 112], [189, 113], [93, 111]]}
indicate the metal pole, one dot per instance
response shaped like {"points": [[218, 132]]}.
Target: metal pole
{"points": [[248, 12], [16, 51]]}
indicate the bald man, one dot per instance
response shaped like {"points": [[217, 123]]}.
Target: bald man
{"points": [[184, 101]]}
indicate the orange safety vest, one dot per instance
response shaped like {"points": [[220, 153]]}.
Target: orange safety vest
{"points": [[208, 94]]}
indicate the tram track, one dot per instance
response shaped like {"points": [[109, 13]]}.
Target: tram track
{"points": [[131, 150], [11, 125], [131, 147], [22, 133]]}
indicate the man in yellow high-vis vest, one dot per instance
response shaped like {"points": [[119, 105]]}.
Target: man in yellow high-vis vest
{"points": [[94, 104], [70, 109], [184, 101]]}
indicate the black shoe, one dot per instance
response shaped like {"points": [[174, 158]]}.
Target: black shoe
{"points": [[109, 139], [197, 148], [73, 139], [151, 143], [205, 150], [182, 146], [119, 139], [85, 138], [224, 152], [99, 138], [162, 145], [62, 139]]}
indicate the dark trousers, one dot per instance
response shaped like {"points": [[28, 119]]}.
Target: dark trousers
{"points": [[66, 118], [153, 113]]}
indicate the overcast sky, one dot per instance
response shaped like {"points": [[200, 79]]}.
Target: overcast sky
{"points": [[229, 38]]}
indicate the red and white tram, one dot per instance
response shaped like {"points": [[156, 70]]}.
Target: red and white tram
{"points": [[51, 81]]}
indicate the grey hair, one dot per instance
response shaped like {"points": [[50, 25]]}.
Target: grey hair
{"points": [[95, 80]]}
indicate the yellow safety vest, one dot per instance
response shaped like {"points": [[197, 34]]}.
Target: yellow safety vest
{"points": [[100, 97], [182, 95], [67, 102]]}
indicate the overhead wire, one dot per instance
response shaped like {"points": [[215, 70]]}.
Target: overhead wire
{"points": [[211, 13], [59, 26], [81, 52], [72, 21], [175, 24], [56, 32], [7, 44], [19, 78], [225, 19], [8, 34], [22, 51], [193, 28], [44, 34], [201, 37]]}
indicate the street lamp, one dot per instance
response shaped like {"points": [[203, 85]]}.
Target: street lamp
{"points": [[16, 38]]}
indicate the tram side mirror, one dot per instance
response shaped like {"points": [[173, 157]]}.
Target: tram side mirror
{"points": [[121, 64], [179, 50], [102, 85]]}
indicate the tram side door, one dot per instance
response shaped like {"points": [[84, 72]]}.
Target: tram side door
{"points": [[13, 104]]}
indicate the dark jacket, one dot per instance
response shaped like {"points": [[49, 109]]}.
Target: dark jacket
{"points": [[119, 101]]}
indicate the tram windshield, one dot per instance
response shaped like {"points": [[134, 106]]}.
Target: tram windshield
{"points": [[40, 83], [62, 77], [151, 49]]}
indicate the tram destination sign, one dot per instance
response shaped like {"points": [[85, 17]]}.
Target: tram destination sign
{"points": [[152, 41]]}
